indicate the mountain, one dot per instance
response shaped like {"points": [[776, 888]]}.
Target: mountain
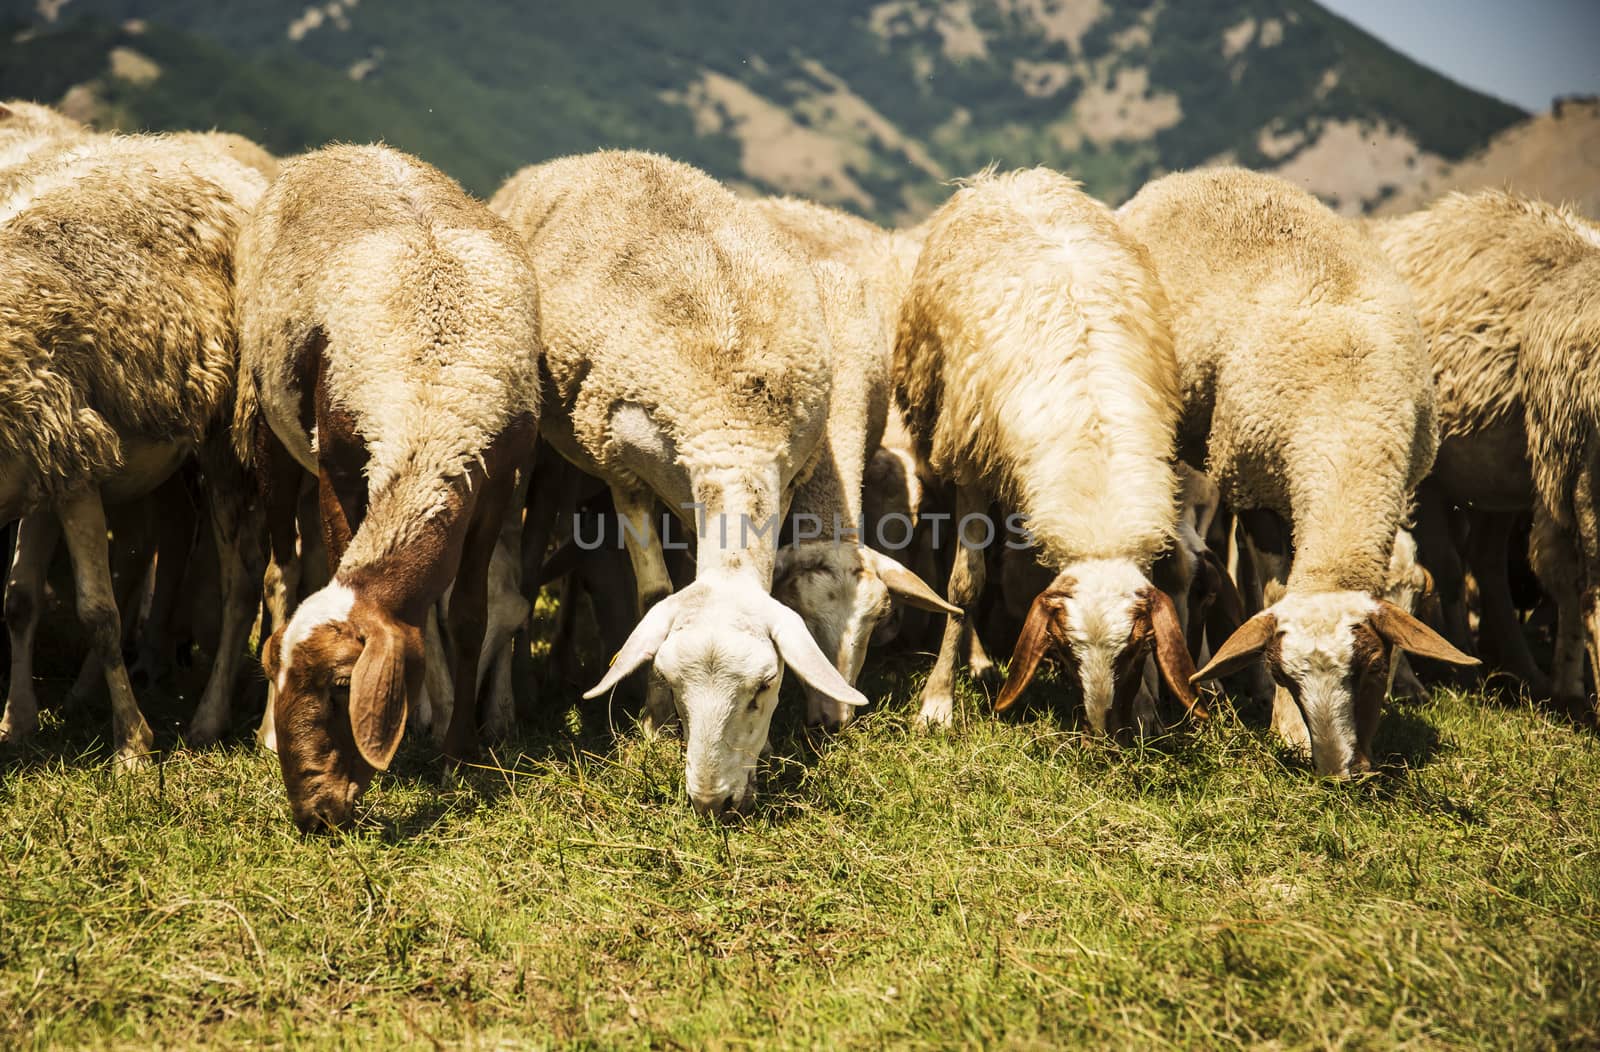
{"points": [[872, 104], [1555, 156]]}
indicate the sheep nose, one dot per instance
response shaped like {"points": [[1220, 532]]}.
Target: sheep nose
{"points": [[712, 805], [722, 806]]}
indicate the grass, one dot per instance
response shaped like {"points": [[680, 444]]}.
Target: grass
{"points": [[1012, 883]]}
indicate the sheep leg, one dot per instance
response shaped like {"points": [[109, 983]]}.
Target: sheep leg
{"points": [[240, 598], [1264, 550], [1554, 555], [129, 558], [83, 522], [437, 700], [980, 666], [174, 539], [966, 585], [469, 615], [1501, 639], [652, 583], [1437, 551], [36, 541], [278, 478], [508, 610], [1586, 510]]}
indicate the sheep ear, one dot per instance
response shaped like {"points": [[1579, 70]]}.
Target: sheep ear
{"points": [[378, 696], [1032, 645], [1172, 653], [905, 585], [1402, 630], [641, 645], [1242, 647], [801, 653], [272, 655]]}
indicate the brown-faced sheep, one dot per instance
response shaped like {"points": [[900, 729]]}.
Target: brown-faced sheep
{"points": [[389, 329], [1034, 364], [1307, 399], [688, 361]]}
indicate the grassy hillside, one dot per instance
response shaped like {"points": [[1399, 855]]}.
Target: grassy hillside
{"points": [[868, 104], [1008, 884]]}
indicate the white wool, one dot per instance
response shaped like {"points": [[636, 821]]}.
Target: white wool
{"points": [[1057, 380]]}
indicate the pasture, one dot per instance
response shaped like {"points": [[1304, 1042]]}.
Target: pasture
{"points": [[1010, 883]]}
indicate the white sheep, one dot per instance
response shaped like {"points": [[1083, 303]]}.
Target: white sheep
{"points": [[826, 572], [1307, 399], [1478, 266], [1560, 387], [688, 361], [389, 329], [1034, 365], [116, 265]]}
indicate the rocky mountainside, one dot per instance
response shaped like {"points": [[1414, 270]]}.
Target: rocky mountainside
{"points": [[873, 104]]}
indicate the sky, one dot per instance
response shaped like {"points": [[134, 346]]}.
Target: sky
{"points": [[1523, 51]]}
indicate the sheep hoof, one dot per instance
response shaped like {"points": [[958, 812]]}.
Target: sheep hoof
{"points": [[985, 673], [205, 731], [938, 712], [135, 756]]}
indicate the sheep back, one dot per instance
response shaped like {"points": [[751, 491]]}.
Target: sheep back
{"points": [[116, 303], [1033, 356]]}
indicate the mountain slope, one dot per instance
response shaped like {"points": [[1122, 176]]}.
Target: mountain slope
{"points": [[869, 104]]}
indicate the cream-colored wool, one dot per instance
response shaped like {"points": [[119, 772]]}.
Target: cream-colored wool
{"points": [[431, 313], [247, 153], [25, 127], [1560, 389], [700, 316], [1474, 264], [1033, 358], [1305, 378], [884, 259], [1479, 266], [116, 301]]}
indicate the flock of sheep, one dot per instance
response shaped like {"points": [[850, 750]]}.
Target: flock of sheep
{"points": [[1214, 413]]}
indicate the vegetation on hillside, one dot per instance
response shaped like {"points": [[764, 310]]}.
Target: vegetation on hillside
{"points": [[485, 87]]}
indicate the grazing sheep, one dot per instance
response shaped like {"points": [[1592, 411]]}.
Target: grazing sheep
{"points": [[839, 585], [1307, 400], [1476, 265], [389, 332], [1034, 365], [1560, 387], [688, 361], [117, 359]]}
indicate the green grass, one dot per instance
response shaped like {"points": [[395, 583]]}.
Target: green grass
{"points": [[1012, 883]]}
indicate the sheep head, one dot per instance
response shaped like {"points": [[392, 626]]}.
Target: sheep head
{"points": [[843, 592], [721, 647], [343, 673], [1331, 651], [1105, 618]]}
